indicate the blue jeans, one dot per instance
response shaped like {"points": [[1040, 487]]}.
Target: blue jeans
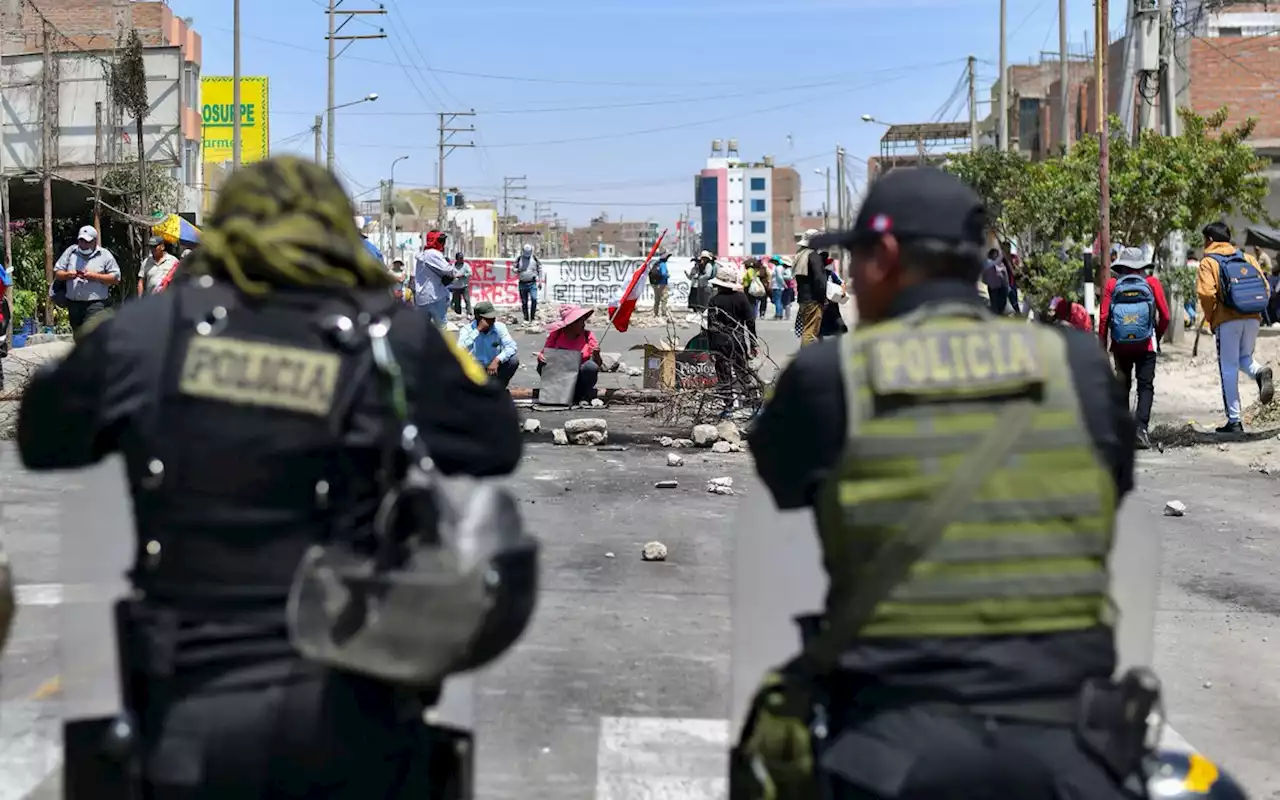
{"points": [[528, 299], [436, 309], [777, 303]]}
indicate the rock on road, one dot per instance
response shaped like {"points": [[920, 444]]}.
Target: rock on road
{"points": [[620, 690]]}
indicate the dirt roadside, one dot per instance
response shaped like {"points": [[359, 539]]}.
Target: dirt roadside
{"points": [[1188, 405]]}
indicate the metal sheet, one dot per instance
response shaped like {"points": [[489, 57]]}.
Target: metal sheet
{"points": [[96, 550], [777, 574], [559, 377]]}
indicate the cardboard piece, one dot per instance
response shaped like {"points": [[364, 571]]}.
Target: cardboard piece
{"points": [[559, 377], [668, 367]]}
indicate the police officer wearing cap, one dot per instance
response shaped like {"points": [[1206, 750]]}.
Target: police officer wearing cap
{"points": [[964, 472], [251, 430]]}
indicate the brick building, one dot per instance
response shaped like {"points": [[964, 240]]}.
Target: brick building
{"points": [[76, 26]]}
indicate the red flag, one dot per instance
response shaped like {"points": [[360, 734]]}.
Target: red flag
{"points": [[620, 310]]}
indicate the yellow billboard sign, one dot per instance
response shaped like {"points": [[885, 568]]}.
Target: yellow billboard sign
{"points": [[216, 111]]}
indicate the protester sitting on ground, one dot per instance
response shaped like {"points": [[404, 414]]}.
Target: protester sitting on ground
{"points": [[1133, 318], [1071, 314], [490, 344], [1233, 308], [572, 334]]}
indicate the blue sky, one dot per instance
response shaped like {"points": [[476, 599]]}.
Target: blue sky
{"points": [[610, 105]]}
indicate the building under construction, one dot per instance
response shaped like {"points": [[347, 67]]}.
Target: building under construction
{"points": [[59, 115]]}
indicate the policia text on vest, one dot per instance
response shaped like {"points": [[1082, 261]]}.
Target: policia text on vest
{"points": [[945, 520], [974, 360], [268, 375]]}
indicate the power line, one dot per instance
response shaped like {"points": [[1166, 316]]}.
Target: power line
{"points": [[636, 104], [646, 131], [1209, 41], [395, 6], [526, 79]]}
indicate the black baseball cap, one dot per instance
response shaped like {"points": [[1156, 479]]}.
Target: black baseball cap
{"points": [[920, 203]]}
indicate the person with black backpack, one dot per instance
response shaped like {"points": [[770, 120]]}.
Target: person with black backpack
{"points": [[659, 278], [1233, 291], [1131, 322]]}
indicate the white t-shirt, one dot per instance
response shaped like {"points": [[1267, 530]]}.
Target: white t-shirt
{"points": [[153, 271]]}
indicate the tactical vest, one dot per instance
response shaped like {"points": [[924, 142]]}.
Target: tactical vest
{"points": [[242, 464], [1027, 551]]}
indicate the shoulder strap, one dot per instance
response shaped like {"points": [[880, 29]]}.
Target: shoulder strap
{"points": [[921, 532]]}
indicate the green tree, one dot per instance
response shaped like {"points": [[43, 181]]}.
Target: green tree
{"points": [[1224, 173], [998, 176]]}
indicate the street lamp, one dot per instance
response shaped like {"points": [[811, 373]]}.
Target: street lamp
{"points": [[391, 198], [368, 98], [920, 151], [826, 207]]}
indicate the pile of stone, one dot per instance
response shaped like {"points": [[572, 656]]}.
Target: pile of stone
{"points": [[587, 432]]}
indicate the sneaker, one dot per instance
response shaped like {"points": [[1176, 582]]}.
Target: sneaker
{"points": [[1266, 389], [1230, 427], [1144, 439]]}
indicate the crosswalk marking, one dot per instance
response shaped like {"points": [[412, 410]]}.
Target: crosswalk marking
{"points": [[647, 758], [30, 747]]}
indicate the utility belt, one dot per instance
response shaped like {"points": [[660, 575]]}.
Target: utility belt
{"points": [[788, 731], [104, 757]]}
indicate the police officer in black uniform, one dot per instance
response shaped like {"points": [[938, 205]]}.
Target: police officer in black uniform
{"points": [[963, 675], [249, 434]]}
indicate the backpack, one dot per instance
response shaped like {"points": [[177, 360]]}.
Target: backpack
{"points": [[1133, 310], [1242, 285], [655, 274]]}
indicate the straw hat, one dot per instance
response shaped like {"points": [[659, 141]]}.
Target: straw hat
{"points": [[728, 278]]}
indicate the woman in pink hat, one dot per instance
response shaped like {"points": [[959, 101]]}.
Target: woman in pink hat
{"points": [[571, 333]]}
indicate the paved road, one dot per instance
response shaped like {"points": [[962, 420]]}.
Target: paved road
{"points": [[621, 689]]}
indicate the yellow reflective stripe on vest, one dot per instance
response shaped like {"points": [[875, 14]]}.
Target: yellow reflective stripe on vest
{"points": [[889, 513], [1019, 546], [872, 445], [949, 589], [1028, 553]]}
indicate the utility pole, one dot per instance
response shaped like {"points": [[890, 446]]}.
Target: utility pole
{"points": [[973, 110], [1064, 78], [235, 87], [1003, 127], [826, 207], [333, 37], [1169, 71], [446, 147], [1103, 254], [47, 96], [840, 193], [317, 128], [509, 185], [383, 198], [97, 167], [8, 17], [1169, 112]]}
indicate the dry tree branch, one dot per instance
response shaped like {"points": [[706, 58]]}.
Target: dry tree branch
{"points": [[742, 399]]}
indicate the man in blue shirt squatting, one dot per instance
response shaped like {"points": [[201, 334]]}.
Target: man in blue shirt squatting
{"points": [[489, 343]]}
